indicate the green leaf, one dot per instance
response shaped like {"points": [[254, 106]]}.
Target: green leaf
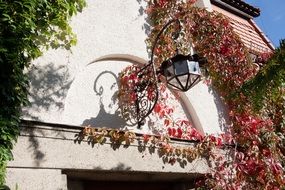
{"points": [[29, 27]]}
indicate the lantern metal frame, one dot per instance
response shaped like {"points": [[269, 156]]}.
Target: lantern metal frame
{"points": [[191, 73], [147, 92]]}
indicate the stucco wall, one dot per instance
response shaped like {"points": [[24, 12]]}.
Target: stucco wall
{"points": [[36, 179], [44, 153], [67, 87], [63, 83]]}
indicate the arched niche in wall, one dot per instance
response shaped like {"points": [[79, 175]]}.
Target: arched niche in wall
{"points": [[92, 100]]}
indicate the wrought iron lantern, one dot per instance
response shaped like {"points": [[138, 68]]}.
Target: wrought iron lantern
{"points": [[181, 72]]}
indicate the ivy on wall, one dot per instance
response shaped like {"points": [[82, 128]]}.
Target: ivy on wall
{"points": [[255, 99], [267, 96], [27, 28], [256, 108]]}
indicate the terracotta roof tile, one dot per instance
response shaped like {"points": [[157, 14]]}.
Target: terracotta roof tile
{"points": [[249, 33]]}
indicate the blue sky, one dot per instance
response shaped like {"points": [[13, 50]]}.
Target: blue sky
{"points": [[271, 19]]}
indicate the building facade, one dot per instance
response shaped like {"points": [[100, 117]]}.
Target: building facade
{"points": [[77, 88]]}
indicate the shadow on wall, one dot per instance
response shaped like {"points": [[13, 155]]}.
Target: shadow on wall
{"points": [[105, 119], [34, 146], [146, 25], [223, 118], [34, 134], [120, 167], [143, 147], [113, 120], [48, 89]]}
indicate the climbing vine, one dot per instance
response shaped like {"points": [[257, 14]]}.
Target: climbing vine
{"points": [[255, 99], [172, 126], [27, 28], [169, 153]]}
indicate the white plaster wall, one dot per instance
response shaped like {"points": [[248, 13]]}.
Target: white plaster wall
{"points": [[204, 4], [91, 99], [104, 27], [58, 148], [44, 154], [209, 108], [36, 179], [62, 82]]}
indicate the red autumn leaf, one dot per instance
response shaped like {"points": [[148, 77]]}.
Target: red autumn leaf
{"points": [[150, 94], [225, 50], [149, 9], [179, 132], [191, 1], [185, 122], [266, 152], [166, 122], [219, 141], [146, 138], [162, 113], [172, 160], [157, 50], [162, 3], [171, 131], [157, 108], [133, 96], [213, 138], [239, 155], [125, 79], [276, 168], [169, 111]]}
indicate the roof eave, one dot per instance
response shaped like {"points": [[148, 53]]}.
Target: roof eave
{"points": [[238, 7]]}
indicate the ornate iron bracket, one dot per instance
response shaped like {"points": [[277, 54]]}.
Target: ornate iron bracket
{"points": [[147, 92]]}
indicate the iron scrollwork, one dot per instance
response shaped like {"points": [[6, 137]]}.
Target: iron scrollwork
{"points": [[147, 91]]}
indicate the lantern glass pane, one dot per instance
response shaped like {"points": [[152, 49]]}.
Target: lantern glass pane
{"points": [[173, 82], [181, 67], [183, 80], [193, 67], [194, 79], [169, 71]]}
